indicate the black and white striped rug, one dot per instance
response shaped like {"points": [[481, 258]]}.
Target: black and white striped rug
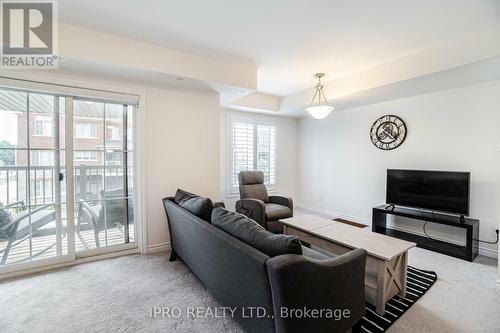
{"points": [[417, 284]]}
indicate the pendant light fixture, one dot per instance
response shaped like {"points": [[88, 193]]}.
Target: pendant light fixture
{"points": [[319, 107]]}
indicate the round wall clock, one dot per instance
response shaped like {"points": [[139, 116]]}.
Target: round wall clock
{"points": [[388, 132]]}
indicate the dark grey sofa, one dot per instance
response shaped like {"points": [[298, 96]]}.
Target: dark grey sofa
{"points": [[241, 276]]}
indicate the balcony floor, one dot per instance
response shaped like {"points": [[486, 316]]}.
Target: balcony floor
{"points": [[21, 251]]}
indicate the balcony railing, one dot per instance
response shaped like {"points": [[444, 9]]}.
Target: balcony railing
{"points": [[45, 237], [89, 181]]}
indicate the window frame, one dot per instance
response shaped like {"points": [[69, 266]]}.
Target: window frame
{"points": [[233, 191], [42, 158], [77, 153], [115, 133], [47, 126], [78, 135]]}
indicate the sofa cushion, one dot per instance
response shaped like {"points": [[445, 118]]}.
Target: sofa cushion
{"points": [[275, 212], [199, 206], [274, 226], [251, 233]]}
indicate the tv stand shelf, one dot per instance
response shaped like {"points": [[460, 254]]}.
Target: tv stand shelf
{"points": [[468, 252]]}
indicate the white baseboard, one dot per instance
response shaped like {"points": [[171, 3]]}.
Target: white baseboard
{"points": [[333, 214], [156, 248]]}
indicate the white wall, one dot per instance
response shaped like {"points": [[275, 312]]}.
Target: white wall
{"points": [[182, 150], [286, 174], [340, 172]]}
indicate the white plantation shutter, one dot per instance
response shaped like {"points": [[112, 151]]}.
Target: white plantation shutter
{"points": [[253, 147], [243, 152], [266, 152]]}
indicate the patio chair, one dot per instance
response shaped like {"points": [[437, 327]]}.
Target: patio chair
{"points": [[94, 215], [15, 228]]}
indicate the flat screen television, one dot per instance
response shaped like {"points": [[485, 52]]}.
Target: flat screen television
{"points": [[441, 191]]}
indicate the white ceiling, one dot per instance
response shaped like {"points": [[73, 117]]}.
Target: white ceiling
{"points": [[289, 40]]}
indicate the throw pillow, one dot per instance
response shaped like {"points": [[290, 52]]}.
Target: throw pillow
{"points": [[199, 206], [250, 232]]}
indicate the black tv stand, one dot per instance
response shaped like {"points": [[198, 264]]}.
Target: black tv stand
{"points": [[467, 252]]}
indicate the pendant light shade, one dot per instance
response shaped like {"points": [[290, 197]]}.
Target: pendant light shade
{"points": [[319, 107]]}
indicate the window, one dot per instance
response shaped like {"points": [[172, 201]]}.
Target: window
{"points": [[266, 152], [43, 126], [86, 156], [114, 158], [42, 158], [85, 131], [115, 132], [253, 147]]}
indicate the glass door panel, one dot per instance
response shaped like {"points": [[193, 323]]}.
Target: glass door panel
{"points": [[32, 183], [103, 210]]}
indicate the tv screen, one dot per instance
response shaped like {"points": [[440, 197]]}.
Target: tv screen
{"points": [[432, 190]]}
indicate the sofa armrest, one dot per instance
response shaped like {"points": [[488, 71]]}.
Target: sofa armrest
{"points": [[252, 208], [337, 284], [279, 200]]}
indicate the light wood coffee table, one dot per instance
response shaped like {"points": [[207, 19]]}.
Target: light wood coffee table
{"points": [[387, 258]]}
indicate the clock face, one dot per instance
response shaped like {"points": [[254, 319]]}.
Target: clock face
{"points": [[388, 132]]}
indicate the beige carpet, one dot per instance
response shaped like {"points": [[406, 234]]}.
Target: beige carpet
{"points": [[113, 295], [116, 295], [465, 298]]}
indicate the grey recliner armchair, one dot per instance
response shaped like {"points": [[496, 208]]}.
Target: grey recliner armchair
{"points": [[258, 205]]}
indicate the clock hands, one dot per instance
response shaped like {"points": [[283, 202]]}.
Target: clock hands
{"points": [[389, 134]]}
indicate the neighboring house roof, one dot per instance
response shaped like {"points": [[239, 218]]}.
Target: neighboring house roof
{"points": [[38, 103]]}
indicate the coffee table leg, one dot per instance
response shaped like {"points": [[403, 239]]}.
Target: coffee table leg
{"points": [[390, 274], [403, 267], [381, 286]]}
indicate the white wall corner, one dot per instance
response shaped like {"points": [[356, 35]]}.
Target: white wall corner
{"points": [[255, 102]]}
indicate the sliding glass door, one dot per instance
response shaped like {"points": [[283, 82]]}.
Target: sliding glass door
{"points": [[32, 177], [66, 177], [103, 172]]}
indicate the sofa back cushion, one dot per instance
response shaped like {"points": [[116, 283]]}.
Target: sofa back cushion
{"points": [[252, 185], [250, 232], [199, 206]]}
